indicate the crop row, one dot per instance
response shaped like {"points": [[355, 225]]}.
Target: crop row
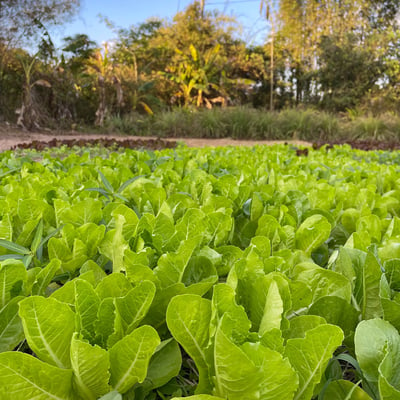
{"points": [[235, 273]]}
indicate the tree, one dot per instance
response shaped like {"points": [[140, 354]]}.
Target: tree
{"points": [[347, 72], [28, 115], [305, 24], [81, 49], [26, 22], [101, 64], [24, 19], [270, 8], [196, 76], [11, 81], [72, 97], [204, 62], [138, 63]]}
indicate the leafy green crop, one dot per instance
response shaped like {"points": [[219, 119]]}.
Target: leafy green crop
{"points": [[235, 273]]}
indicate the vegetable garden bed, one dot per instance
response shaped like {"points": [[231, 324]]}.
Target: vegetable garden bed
{"points": [[224, 273]]}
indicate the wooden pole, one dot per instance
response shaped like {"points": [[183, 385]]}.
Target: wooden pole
{"points": [[271, 96]]}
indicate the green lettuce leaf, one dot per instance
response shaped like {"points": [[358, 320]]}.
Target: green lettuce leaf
{"points": [[130, 357], [86, 307], [114, 244], [188, 319], [317, 347], [377, 347], [90, 365], [11, 330], [312, 233], [44, 277], [48, 327], [250, 370], [345, 390], [13, 276], [24, 377], [199, 397], [164, 365], [133, 307]]}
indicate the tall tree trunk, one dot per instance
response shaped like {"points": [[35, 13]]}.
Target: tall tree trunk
{"points": [[271, 95], [102, 108]]}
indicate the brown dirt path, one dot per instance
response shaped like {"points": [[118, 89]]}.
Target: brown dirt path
{"points": [[10, 137]]}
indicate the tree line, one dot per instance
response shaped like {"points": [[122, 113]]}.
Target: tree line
{"points": [[333, 55]]}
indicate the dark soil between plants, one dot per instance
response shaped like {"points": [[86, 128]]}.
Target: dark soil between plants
{"points": [[14, 138], [159, 144], [151, 144], [369, 144]]}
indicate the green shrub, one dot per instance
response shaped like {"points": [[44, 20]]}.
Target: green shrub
{"points": [[256, 124]]}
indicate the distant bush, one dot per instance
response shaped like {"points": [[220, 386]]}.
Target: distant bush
{"points": [[250, 123]]}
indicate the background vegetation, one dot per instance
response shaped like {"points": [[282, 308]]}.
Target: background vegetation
{"points": [[320, 57]]}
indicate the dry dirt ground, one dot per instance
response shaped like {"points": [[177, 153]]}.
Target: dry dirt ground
{"points": [[10, 137]]}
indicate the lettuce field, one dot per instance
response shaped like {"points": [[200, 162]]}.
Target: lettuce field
{"points": [[219, 273]]}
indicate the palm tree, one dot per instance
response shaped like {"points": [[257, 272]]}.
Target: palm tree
{"points": [[101, 64], [29, 112]]}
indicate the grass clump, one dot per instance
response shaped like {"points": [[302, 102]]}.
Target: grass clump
{"points": [[257, 124]]}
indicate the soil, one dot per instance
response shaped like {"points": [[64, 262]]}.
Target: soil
{"points": [[367, 144], [11, 138]]}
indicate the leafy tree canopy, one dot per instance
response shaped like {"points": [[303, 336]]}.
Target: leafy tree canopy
{"points": [[22, 20]]}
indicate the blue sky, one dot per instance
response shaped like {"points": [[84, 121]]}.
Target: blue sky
{"points": [[124, 13]]}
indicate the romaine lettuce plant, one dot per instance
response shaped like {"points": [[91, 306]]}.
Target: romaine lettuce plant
{"points": [[224, 273]]}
